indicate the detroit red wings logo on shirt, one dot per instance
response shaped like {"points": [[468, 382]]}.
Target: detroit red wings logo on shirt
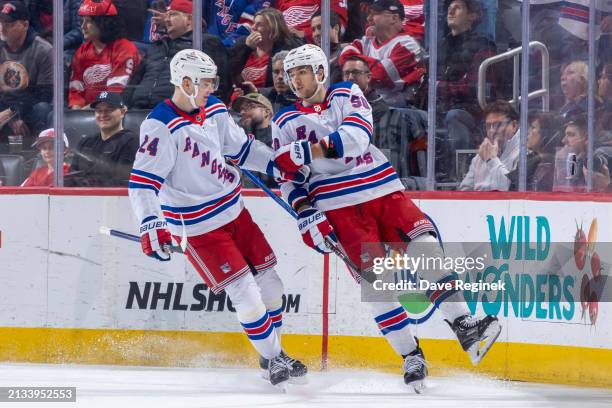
{"points": [[296, 15]]}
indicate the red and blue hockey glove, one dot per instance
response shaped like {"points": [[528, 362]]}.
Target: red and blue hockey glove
{"points": [[314, 227], [299, 177], [155, 238], [293, 156]]}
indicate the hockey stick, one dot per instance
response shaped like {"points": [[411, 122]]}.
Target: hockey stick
{"points": [[130, 237], [369, 277]]}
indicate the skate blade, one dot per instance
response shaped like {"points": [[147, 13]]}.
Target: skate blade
{"points": [[418, 386], [303, 380], [478, 351], [281, 387]]}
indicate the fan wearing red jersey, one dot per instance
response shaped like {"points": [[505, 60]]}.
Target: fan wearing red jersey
{"points": [[106, 61], [298, 14]]}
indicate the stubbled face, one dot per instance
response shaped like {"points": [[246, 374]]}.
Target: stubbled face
{"points": [[177, 23], [11, 31], [382, 20], [252, 115]]}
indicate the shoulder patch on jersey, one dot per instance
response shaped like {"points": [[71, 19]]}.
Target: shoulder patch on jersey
{"points": [[214, 106], [285, 114]]}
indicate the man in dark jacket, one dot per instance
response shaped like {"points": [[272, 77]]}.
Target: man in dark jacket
{"points": [[151, 81], [459, 55], [26, 73], [398, 132], [105, 159]]}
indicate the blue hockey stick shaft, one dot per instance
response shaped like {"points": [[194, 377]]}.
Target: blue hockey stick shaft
{"points": [[330, 244], [269, 192], [132, 237]]}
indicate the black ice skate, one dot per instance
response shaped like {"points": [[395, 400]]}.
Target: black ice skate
{"points": [[278, 372], [297, 370], [415, 369], [476, 336]]}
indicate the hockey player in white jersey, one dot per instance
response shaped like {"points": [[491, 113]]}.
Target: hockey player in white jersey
{"points": [[180, 176], [355, 196]]}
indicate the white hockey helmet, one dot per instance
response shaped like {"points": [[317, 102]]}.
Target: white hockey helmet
{"points": [[195, 65], [309, 55]]}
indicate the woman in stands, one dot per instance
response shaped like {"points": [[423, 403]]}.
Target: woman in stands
{"points": [[106, 61], [43, 176], [251, 57]]}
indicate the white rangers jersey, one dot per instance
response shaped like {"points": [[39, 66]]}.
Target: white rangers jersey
{"points": [[182, 159], [362, 173]]}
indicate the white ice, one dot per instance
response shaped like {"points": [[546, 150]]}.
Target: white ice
{"points": [[134, 387]]}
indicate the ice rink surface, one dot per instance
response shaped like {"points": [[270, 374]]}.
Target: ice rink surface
{"points": [[135, 387]]}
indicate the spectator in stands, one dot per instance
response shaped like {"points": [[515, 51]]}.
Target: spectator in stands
{"points": [[151, 81], [43, 176], [334, 42], [395, 59], [460, 54], [256, 119], [396, 131], [414, 22], [543, 140], [499, 152], [231, 20], [106, 61], [571, 160], [488, 24], [280, 95], [105, 159], [299, 13], [574, 77], [26, 74], [251, 58], [604, 87]]}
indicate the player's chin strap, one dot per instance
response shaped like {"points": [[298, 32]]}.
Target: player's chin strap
{"points": [[193, 97]]}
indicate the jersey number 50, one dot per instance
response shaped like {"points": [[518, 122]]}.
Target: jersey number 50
{"points": [[147, 146], [359, 101]]}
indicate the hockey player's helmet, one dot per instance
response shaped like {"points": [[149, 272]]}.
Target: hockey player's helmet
{"points": [[309, 55], [194, 65]]}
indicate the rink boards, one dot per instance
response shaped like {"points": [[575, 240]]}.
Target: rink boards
{"points": [[71, 295]]}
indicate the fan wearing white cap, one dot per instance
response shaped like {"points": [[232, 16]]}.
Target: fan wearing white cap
{"points": [[185, 182], [43, 176]]}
